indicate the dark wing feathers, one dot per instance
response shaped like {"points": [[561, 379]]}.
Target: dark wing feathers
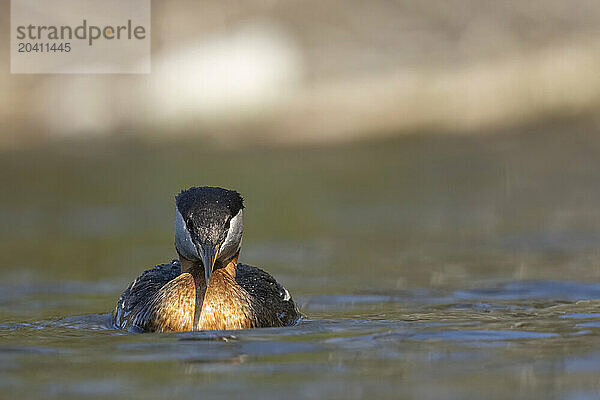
{"points": [[141, 290], [272, 302]]}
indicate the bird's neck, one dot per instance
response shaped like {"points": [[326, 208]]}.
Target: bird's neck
{"points": [[229, 268], [227, 305], [196, 269], [191, 267]]}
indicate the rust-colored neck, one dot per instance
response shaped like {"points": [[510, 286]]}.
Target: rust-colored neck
{"points": [[230, 267], [227, 305], [196, 269]]}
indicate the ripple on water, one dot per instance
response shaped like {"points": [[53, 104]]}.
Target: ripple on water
{"points": [[529, 290], [456, 334]]}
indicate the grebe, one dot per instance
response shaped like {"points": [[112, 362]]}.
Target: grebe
{"points": [[206, 288]]}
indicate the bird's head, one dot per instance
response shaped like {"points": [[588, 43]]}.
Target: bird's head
{"points": [[208, 226]]}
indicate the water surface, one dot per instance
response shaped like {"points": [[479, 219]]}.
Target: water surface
{"points": [[427, 267]]}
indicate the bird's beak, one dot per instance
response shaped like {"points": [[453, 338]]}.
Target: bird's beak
{"points": [[209, 253]]}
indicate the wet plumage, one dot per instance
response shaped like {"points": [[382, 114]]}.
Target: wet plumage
{"points": [[184, 295]]}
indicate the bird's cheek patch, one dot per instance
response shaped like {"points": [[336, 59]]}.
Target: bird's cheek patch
{"points": [[183, 240]]}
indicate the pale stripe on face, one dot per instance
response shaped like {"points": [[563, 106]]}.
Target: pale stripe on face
{"points": [[183, 240], [187, 248], [233, 240]]}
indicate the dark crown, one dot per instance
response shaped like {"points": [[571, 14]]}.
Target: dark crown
{"points": [[207, 210]]}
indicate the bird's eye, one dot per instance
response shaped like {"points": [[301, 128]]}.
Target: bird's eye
{"points": [[190, 225]]}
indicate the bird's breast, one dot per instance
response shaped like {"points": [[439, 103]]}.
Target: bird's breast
{"points": [[226, 304]]}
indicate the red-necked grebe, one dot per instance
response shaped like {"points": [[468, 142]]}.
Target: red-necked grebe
{"points": [[206, 288]]}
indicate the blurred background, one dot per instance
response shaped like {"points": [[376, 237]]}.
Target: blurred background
{"points": [[421, 175], [297, 72]]}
